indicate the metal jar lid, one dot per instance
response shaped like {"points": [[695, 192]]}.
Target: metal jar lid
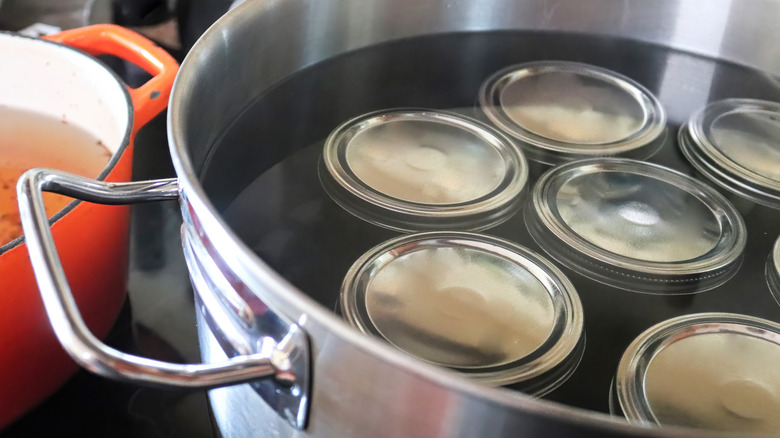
{"points": [[773, 271], [418, 170], [552, 379], [560, 111], [714, 371], [636, 226], [736, 144], [484, 307]]}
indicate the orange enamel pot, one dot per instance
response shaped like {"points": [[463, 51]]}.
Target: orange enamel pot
{"points": [[57, 76]]}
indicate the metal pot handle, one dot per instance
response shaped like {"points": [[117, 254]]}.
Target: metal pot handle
{"points": [[271, 363]]}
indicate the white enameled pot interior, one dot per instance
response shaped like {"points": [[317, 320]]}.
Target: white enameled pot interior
{"points": [[61, 82]]}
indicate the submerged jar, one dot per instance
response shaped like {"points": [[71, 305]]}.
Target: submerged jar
{"points": [[713, 371], [562, 111], [422, 170], [735, 143], [484, 307], [636, 226]]}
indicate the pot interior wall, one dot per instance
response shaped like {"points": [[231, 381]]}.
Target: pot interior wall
{"points": [[272, 41], [64, 84]]}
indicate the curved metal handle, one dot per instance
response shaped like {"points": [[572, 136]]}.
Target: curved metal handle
{"points": [[73, 334]]}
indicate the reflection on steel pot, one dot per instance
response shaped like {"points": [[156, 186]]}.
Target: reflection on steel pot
{"points": [[52, 79], [261, 320]]}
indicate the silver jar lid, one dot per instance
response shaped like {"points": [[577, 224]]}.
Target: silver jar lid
{"points": [[637, 226], [555, 377], [714, 371], [418, 170], [773, 271], [560, 111], [484, 307], [736, 144]]}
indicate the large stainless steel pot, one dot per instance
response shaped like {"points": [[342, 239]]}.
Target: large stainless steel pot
{"points": [[311, 374]]}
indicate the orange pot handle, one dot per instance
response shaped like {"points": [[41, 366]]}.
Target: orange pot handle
{"points": [[150, 98]]}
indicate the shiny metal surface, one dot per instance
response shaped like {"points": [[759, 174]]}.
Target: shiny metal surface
{"points": [[559, 111], [272, 362], [636, 223], [351, 370], [431, 163], [245, 327], [411, 169], [637, 217], [736, 144], [475, 304], [712, 371], [772, 271]]}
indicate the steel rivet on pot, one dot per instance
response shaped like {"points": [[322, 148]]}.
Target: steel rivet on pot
{"points": [[560, 111], [636, 226], [735, 143], [417, 170], [710, 370], [484, 307]]}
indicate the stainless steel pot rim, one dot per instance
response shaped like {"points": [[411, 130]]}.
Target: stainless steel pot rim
{"points": [[726, 253], [630, 380], [643, 142], [699, 146], [568, 316], [364, 201]]}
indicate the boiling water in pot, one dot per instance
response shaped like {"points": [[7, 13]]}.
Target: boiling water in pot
{"points": [[262, 173]]}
